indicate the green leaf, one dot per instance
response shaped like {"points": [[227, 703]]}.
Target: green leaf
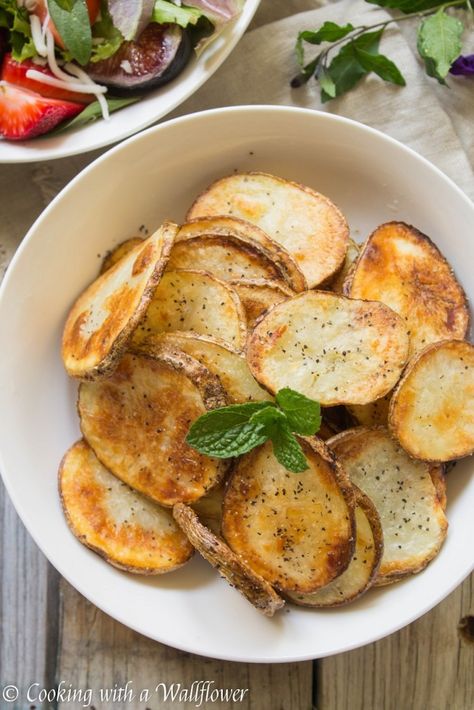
{"points": [[382, 66], [91, 113], [345, 69], [228, 431], [306, 73], [439, 43], [326, 83], [165, 12], [288, 450], [303, 414], [407, 6], [329, 32], [16, 20], [107, 38], [72, 23]]}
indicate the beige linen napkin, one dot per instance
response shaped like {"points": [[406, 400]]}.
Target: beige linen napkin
{"points": [[435, 121]]}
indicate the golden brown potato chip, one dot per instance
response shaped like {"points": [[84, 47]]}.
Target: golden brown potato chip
{"points": [[432, 408], [121, 525], [209, 509], [372, 414], [258, 295], [219, 357], [363, 568], [247, 234], [253, 587], [136, 421], [353, 251], [103, 318], [296, 530], [402, 268], [117, 253], [402, 490], [306, 223], [198, 302], [332, 349]]}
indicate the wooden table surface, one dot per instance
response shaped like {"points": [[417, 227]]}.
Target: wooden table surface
{"points": [[49, 633]]}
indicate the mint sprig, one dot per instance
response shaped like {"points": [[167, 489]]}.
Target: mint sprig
{"points": [[234, 430]]}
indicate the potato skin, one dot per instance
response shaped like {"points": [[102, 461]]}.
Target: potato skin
{"points": [[432, 408], [295, 530], [401, 267], [120, 525], [305, 222], [239, 575]]}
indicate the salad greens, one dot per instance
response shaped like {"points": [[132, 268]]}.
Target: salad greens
{"points": [[16, 20]]}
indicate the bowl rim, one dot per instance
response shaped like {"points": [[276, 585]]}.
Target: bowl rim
{"points": [[124, 146]]}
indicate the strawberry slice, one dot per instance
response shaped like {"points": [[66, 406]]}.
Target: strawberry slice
{"points": [[24, 114], [14, 72]]}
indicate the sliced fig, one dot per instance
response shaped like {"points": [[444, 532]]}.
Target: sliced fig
{"points": [[154, 58]]}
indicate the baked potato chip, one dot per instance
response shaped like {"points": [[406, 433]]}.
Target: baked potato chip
{"points": [[246, 234], [103, 318], [402, 490], [253, 587], [330, 348], [258, 295], [136, 421], [372, 414], [221, 359], [198, 302], [432, 408], [364, 566], [296, 530], [353, 251], [306, 223], [124, 527], [402, 268], [117, 253]]}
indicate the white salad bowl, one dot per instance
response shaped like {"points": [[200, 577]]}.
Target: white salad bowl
{"points": [[156, 175], [134, 118]]}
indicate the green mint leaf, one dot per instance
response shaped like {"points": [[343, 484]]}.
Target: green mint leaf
{"points": [[345, 69], [407, 6], [303, 414], [71, 19], [228, 431], [439, 43], [269, 417], [224, 444], [380, 65], [91, 113], [287, 449]]}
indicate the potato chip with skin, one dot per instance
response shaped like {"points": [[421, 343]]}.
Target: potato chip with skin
{"points": [[229, 565], [296, 530], [404, 494], [332, 349], [363, 568], [102, 320], [219, 357], [197, 302], [125, 528], [402, 268], [137, 420], [248, 235], [432, 409], [353, 251], [303, 221], [117, 253]]}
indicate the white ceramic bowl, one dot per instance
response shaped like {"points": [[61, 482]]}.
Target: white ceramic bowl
{"points": [[156, 175], [137, 116]]}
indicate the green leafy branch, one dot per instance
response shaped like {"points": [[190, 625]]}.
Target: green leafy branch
{"points": [[358, 47], [234, 430]]}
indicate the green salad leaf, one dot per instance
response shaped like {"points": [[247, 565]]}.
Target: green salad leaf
{"points": [[91, 113], [165, 12], [71, 19], [15, 20], [107, 38]]}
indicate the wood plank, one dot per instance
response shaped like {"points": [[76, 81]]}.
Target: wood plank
{"points": [[96, 652], [426, 666], [28, 606]]}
